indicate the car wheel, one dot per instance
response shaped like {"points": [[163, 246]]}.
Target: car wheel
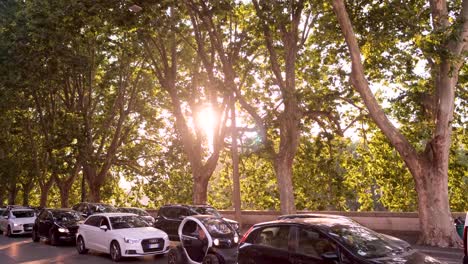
{"points": [[80, 246], [53, 239], [115, 253], [175, 256], [211, 259], [8, 232], [35, 236]]}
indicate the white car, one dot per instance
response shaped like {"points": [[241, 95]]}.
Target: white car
{"points": [[17, 221], [120, 235]]}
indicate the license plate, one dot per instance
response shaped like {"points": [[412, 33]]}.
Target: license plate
{"points": [[153, 245], [27, 228]]}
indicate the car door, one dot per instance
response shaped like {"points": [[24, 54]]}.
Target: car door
{"points": [[91, 231], [194, 240], [41, 223], [310, 246], [103, 237], [271, 245]]}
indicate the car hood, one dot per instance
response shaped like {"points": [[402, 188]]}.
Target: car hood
{"points": [[230, 221], [26, 220], [68, 224], [141, 233], [410, 257]]}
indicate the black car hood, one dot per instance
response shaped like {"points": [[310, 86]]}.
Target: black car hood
{"points": [[68, 224], [410, 257]]}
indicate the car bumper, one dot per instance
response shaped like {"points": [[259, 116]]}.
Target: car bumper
{"points": [[66, 237], [18, 230], [137, 250]]}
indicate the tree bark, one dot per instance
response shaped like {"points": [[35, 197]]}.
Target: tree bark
{"points": [[200, 189], [236, 193], [45, 188], [430, 169], [12, 193]]}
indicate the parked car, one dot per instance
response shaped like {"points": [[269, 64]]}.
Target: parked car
{"points": [[465, 241], [56, 225], [138, 211], [170, 216], [86, 209], [323, 240], [16, 221], [292, 216], [2, 209], [120, 235], [205, 239]]}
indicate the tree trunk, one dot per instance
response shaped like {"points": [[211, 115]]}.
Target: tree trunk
{"points": [[200, 187], [236, 195], [12, 192], [434, 209], [283, 171], [64, 194], [26, 193], [94, 193]]}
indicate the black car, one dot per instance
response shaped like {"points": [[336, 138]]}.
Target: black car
{"points": [[87, 209], [56, 225], [138, 211], [170, 216], [323, 240]]}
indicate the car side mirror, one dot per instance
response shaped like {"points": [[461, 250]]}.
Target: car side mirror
{"points": [[103, 227], [329, 256]]}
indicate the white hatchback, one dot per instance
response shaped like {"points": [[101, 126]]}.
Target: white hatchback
{"points": [[120, 235], [17, 221]]}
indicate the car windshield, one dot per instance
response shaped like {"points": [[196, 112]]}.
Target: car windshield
{"points": [[206, 211], [365, 242], [23, 214], [66, 216], [136, 211], [127, 221], [217, 227], [103, 208]]}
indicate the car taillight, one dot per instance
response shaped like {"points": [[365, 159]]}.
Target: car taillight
{"points": [[244, 237]]}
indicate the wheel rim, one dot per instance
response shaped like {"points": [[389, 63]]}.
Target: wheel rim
{"points": [[115, 251], [80, 244], [171, 259]]}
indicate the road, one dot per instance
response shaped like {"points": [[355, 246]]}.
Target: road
{"points": [[23, 250]]}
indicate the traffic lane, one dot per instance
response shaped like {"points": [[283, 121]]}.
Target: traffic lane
{"points": [[23, 250]]}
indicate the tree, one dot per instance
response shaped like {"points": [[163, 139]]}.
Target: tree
{"points": [[430, 167]]}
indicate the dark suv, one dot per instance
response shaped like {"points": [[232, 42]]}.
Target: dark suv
{"points": [[56, 225], [170, 216], [87, 209]]}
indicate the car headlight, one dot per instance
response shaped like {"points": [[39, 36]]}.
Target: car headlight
{"points": [[132, 240], [216, 242], [236, 239], [63, 230], [15, 224]]}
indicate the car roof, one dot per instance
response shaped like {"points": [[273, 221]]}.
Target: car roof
{"points": [[313, 215], [320, 221], [190, 205], [114, 214], [21, 209]]}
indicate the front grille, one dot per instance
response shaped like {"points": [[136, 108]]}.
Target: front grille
{"points": [[73, 229], [146, 244]]}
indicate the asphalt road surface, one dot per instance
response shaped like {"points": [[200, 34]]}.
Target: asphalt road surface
{"points": [[23, 250]]}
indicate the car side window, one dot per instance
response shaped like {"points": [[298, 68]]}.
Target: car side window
{"points": [[6, 213], [172, 213], [276, 237], [189, 229], [42, 215], [104, 222], [93, 221], [313, 244]]}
